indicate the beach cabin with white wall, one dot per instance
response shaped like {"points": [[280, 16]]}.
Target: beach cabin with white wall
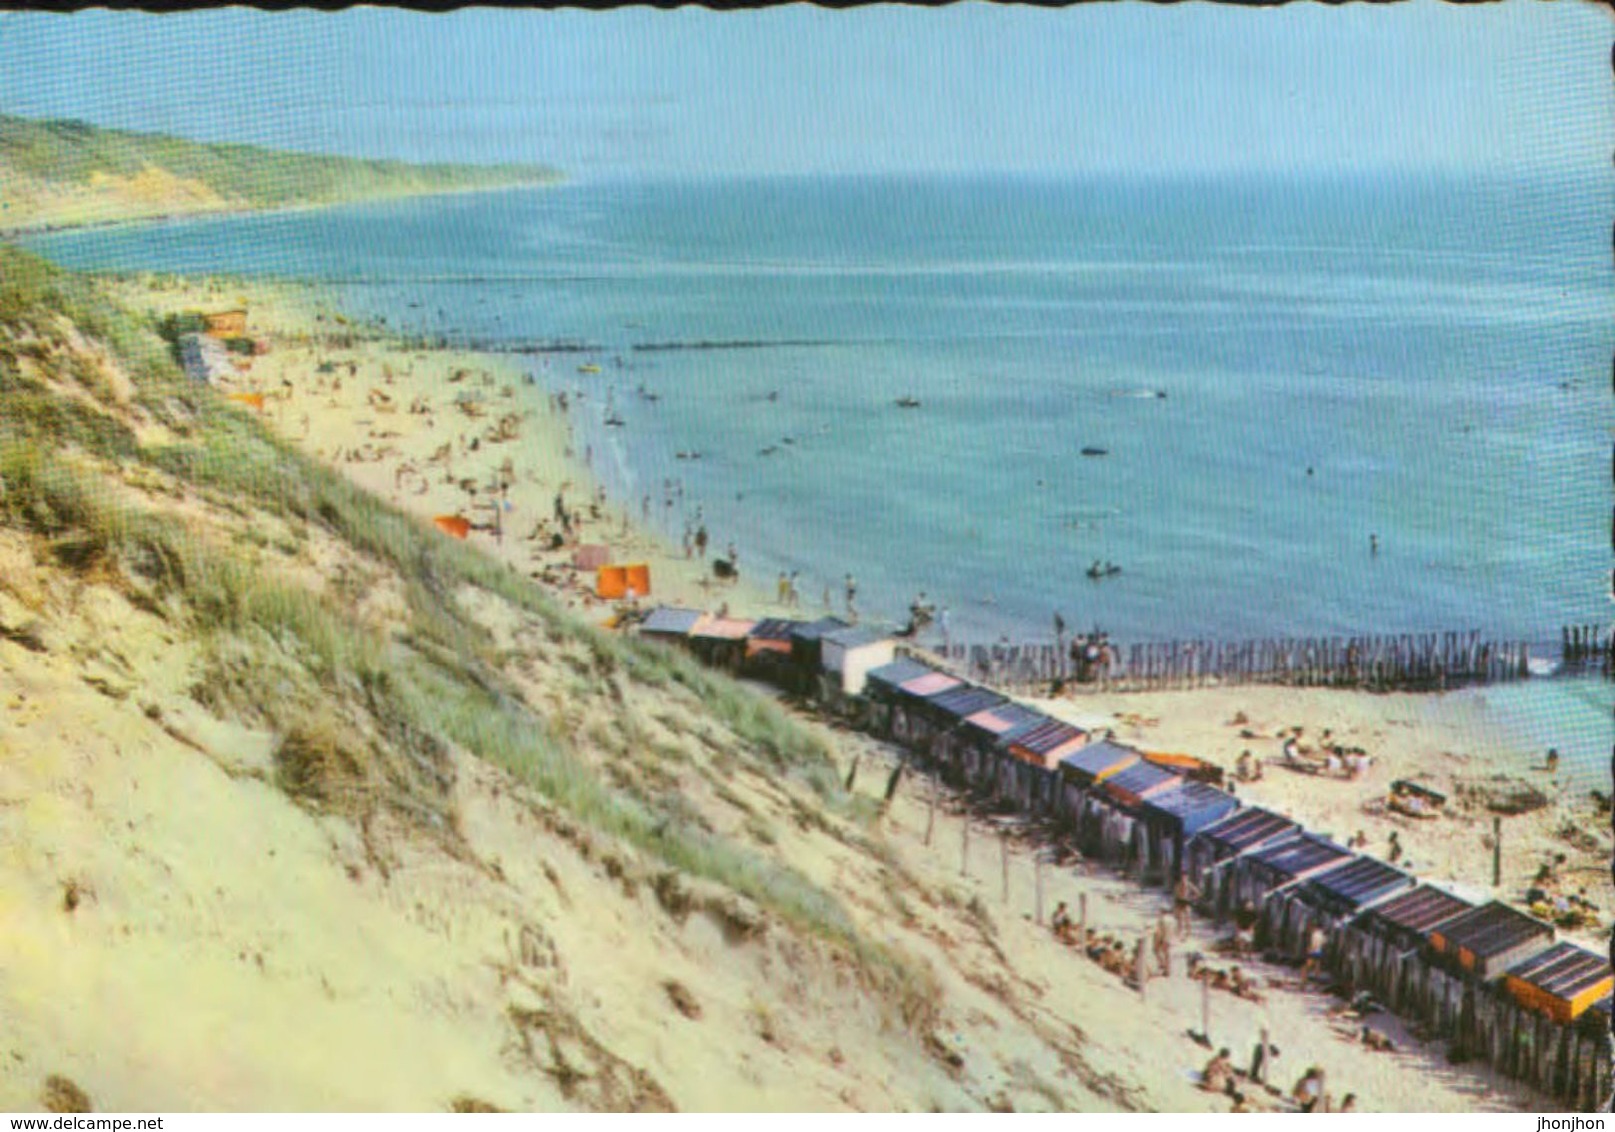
{"points": [[850, 655]]}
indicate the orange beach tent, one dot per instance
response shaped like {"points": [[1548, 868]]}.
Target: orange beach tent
{"points": [[456, 526], [253, 400], [616, 581]]}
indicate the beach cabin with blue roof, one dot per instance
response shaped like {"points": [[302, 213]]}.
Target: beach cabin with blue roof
{"points": [[895, 689], [1383, 948], [945, 715], [669, 623], [1114, 805], [981, 734], [1259, 873], [1209, 857], [1166, 822], [1329, 901], [1081, 770]]}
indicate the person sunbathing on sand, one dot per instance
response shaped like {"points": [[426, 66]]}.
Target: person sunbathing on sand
{"points": [[1218, 1075], [1243, 987], [1377, 1041], [1061, 923], [1248, 768], [1308, 1091]]}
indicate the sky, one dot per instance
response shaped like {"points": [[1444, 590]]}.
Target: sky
{"points": [[1100, 88]]}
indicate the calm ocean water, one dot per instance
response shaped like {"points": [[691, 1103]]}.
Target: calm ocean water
{"points": [[1424, 361]]}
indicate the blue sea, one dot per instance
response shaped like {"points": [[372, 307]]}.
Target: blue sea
{"points": [[1275, 369], [1422, 361]]}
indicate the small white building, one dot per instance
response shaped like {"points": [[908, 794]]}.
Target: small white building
{"points": [[851, 653]]}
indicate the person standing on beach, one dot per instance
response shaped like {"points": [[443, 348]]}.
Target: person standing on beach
{"points": [[792, 597], [1184, 894], [701, 542], [782, 590], [1163, 946], [1059, 632], [852, 597], [1317, 941], [942, 626]]}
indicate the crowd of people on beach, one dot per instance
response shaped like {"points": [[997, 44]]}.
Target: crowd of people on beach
{"points": [[1149, 957]]}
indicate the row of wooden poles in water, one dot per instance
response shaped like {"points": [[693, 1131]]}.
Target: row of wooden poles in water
{"points": [[1588, 647], [1408, 661]]}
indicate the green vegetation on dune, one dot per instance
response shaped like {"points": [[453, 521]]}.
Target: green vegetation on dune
{"points": [[436, 679], [54, 152]]}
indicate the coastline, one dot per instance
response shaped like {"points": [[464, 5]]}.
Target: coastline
{"points": [[442, 458], [358, 419], [227, 209], [359, 422]]}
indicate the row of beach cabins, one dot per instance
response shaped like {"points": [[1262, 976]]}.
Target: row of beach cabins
{"points": [[1490, 980]]}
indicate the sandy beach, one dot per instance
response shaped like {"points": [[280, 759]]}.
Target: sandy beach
{"points": [[447, 432], [454, 433], [443, 432], [1452, 743]]}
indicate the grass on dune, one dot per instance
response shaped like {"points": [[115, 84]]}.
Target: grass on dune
{"points": [[437, 678], [63, 151]]}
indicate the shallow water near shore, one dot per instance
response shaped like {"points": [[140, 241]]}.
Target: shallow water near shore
{"points": [[1418, 360]]}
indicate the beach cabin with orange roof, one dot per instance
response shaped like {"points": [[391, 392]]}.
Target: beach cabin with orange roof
{"points": [[721, 641], [1562, 983], [226, 324], [1527, 1026]]}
